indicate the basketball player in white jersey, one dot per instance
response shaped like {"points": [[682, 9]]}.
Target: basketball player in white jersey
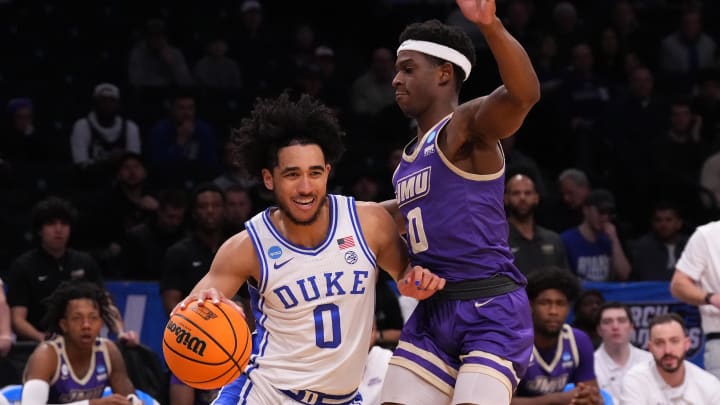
{"points": [[311, 263]]}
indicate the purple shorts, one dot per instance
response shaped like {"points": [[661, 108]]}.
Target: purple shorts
{"points": [[492, 336]]}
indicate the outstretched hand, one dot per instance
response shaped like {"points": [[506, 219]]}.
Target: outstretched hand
{"points": [[420, 283], [481, 12]]}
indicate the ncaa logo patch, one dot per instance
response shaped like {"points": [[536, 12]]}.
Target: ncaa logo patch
{"points": [[274, 252], [351, 257]]}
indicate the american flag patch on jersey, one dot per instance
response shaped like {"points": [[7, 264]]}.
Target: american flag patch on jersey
{"points": [[346, 242]]}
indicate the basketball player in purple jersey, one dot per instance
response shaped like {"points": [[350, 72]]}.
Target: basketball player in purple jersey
{"points": [[471, 343], [75, 365], [562, 355]]}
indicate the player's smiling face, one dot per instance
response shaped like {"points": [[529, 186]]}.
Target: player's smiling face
{"points": [[299, 182]]}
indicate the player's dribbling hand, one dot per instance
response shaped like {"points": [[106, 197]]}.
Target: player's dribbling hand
{"points": [[210, 294], [480, 12], [420, 283]]}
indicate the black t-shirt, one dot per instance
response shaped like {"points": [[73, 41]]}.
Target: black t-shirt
{"points": [[36, 274], [186, 262]]}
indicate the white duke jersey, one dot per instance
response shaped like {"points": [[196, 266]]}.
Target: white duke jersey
{"points": [[313, 307]]}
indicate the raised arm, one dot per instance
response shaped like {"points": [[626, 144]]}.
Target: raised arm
{"points": [[520, 90]]}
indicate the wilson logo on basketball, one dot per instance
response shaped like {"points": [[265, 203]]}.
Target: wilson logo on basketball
{"points": [[204, 312], [186, 339]]}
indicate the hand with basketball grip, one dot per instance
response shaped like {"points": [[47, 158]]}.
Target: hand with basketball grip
{"points": [[211, 294], [420, 283]]}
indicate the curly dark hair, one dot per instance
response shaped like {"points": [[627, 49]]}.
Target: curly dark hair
{"points": [[275, 123], [443, 34], [57, 302], [552, 277]]}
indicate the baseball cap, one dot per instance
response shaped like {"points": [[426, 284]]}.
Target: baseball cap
{"points": [[106, 90], [602, 199], [250, 5], [324, 51]]}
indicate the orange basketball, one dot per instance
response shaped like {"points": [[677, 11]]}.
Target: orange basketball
{"points": [[207, 346]]}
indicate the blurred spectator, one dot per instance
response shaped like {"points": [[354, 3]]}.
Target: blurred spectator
{"points": [[585, 313], [632, 35], [516, 161], [567, 29], [653, 255], [216, 70], [532, 245], [585, 98], [633, 123], [689, 49], [130, 201], [188, 260], [300, 52], [574, 188], [706, 104], [254, 46], [104, 134], [334, 85], [609, 61], [517, 21], [616, 355], [372, 91], [546, 64], [679, 152], [154, 62], [238, 208], [182, 139], [145, 244], [22, 142], [231, 173], [37, 273], [594, 249]]}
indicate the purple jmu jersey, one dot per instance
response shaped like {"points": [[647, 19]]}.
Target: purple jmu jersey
{"points": [[571, 361], [455, 221], [66, 386]]}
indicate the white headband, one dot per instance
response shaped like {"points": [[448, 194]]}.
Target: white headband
{"points": [[438, 51]]}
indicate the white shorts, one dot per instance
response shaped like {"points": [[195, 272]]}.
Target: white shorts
{"points": [[255, 390]]}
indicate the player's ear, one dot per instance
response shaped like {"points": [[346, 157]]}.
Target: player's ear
{"points": [[446, 73], [268, 179]]}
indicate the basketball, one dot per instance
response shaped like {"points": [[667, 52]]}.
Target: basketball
{"points": [[207, 346]]}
